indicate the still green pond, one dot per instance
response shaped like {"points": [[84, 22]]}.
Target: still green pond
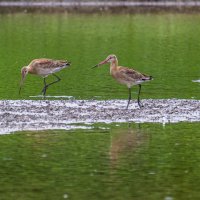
{"points": [[164, 46], [114, 161], [111, 162]]}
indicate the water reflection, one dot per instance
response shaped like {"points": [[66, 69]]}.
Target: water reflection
{"points": [[109, 161], [126, 141]]}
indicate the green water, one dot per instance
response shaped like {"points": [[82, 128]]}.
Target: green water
{"points": [[165, 46], [121, 161], [114, 161]]}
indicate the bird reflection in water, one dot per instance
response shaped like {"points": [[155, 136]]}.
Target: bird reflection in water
{"points": [[125, 142]]}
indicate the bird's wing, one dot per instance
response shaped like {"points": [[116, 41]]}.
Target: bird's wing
{"points": [[42, 62], [48, 63], [131, 74]]}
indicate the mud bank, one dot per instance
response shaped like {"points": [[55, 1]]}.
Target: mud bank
{"points": [[99, 6], [18, 115]]}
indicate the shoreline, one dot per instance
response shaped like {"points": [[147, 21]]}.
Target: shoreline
{"points": [[99, 3], [99, 7], [21, 115]]}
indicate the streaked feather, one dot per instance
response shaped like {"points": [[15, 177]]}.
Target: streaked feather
{"points": [[44, 66]]}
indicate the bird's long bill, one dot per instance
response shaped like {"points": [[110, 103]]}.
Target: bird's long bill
{"points": [[22, 82], [101, 63]]}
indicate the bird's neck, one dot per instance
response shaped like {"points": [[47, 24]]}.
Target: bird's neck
{"points": [[113, 65], [30, 70]]}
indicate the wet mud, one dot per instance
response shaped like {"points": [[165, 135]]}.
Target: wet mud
{"points": [[19, 115]]}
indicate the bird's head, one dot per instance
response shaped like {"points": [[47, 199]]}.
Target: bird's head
{"points": [[24, 72], [111, 58]]}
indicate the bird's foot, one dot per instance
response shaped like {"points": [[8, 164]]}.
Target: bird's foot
{"points": [[140, 105]]}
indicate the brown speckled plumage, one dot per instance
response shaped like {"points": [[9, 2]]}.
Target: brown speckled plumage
{"points": [[44, 67], [125, 75]]}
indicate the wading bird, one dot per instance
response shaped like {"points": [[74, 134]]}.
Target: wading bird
{"points": [[43, 67], [126, 76]]}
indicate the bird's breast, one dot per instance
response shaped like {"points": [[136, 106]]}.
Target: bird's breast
{"points": [[44, 71], [117, 76]]}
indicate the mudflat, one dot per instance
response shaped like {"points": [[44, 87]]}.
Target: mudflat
{"points": [[18, 115]]}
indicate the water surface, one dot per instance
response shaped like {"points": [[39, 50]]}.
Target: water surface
{"points": [[165, 46], [116, 161]]}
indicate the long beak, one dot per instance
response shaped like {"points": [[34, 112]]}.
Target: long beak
{"points": [[95, 66], [22, 82], [101, 63]]}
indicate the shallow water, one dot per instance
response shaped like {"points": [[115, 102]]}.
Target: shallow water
{"points": [[97, 160], [116, 161], [165, 46]]}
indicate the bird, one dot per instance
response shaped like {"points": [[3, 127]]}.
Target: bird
{"points": [[44, 67], [126, 76]]}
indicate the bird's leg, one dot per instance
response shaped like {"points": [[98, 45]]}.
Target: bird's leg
{"points": [[58, 79], [129, 97], [45, 88], [138, 99], [47, 85]]}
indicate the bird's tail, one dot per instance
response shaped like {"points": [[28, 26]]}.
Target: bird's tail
{"points": [[150, 77], [147, 78]]}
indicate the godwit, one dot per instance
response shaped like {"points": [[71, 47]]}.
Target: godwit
{"points": [[43, 67], [126, 76]]}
